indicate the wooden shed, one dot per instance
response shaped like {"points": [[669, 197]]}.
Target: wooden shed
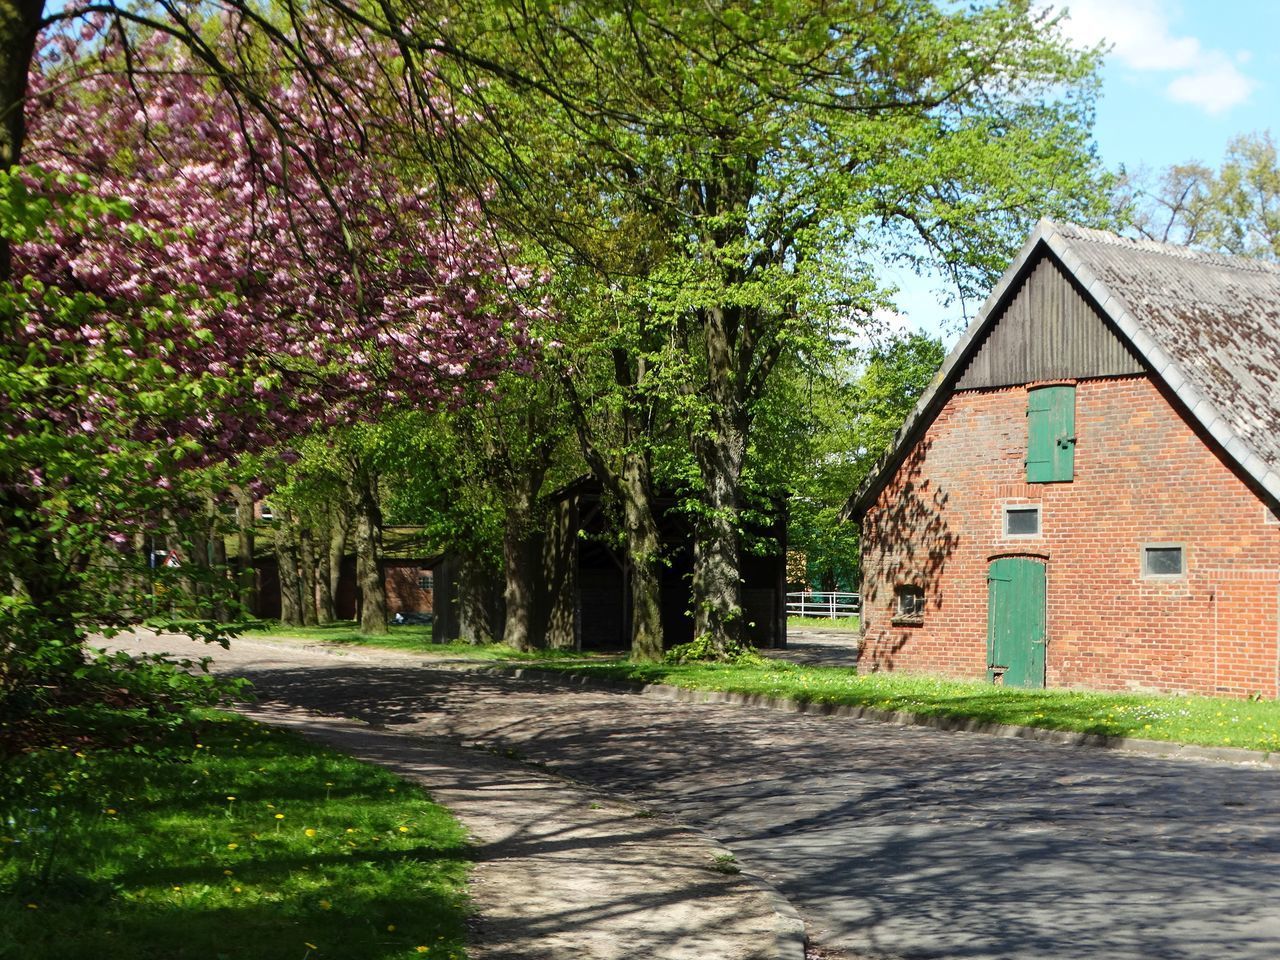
{"points": [[587, 580]]}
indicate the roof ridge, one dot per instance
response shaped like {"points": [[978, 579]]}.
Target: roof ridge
{"points": [[1074, 231]]}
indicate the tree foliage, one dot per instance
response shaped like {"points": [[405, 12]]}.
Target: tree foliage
{"points": [[191, 282], [1235, 209], [738, 169]]}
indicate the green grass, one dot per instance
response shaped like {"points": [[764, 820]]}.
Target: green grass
{"points": [[233, 840], [412, 638], [1198, 720], [843, 624]]}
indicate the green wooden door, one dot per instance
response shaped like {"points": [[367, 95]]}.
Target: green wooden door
{"points": [[1016, 622]]}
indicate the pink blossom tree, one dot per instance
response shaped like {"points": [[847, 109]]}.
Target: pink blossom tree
{"points": [[194, 278]]}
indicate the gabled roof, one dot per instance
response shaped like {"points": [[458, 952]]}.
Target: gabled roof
{"points": [[1206, 325]]}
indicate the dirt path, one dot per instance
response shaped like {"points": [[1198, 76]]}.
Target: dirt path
{"points": [[891, 841], [563, 872]]}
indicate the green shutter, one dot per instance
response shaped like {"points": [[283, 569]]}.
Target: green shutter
{"points": [[1051, 434]]}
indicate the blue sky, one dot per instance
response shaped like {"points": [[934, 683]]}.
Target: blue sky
{"points": [[1183, 77]]}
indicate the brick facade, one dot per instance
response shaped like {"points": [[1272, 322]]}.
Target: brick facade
{"points": [[405, 590], [1142, 475]]}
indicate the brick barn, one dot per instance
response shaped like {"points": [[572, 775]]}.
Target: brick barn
{"points": [[1088, 494]]}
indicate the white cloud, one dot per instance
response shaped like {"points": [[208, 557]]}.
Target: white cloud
{"points": [[1141, 36], [1214, 86]]}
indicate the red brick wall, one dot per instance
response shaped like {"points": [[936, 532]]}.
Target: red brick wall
{"points": [[404, 595], [1142, 475]]}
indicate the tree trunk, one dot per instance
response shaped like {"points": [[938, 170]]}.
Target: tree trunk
{"points": [[720, 452], [339, 527], [478, 619], [521, 556], [218, 560], [633, 488], [200, 579], [644, 551], [246, 574], [370, 578], [307, 571], [324, 593], [290, 576]]}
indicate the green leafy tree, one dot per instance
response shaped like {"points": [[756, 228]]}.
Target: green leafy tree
{"points": [[850, 417], [739, 168], [1235, 209]]}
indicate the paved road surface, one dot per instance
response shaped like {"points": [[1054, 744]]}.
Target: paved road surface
{"points": [[891, 841]]}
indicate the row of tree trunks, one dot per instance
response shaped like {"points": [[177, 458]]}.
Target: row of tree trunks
{"points": [[305, 559]]}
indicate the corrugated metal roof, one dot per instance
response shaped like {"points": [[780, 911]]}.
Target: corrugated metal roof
{"points": [[1217, 318], [1208, 325]]}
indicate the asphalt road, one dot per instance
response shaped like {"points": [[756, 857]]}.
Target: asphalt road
{"points": [[891, 841]]}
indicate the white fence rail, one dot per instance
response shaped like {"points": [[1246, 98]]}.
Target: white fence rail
{"points": [[823, 604]]}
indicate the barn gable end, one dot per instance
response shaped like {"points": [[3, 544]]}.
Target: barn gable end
{"points": [[1116, 531], [1048, 331]]}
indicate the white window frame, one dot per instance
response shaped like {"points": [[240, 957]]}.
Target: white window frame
{"points": [[1004, 521]]}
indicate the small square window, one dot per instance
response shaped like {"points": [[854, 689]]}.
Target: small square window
{"points": [[1163, 560], [1022, 521], [908, 604]]}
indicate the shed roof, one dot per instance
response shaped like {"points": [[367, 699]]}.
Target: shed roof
{"points": [[1205, 324]]}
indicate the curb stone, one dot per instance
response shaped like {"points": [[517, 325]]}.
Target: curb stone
{"points": [[790, 939], [1156, 748]]}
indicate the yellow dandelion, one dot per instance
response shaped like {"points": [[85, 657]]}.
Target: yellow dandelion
{"points": [[391, 928], [230, 798], [227, 873], [279, 816], [232, 846], [391, 790], [326, 905], [350, 830], [309, 832], [33, 906], [404, 829], [177, 888], [111, 811], [235, 889], [421, 949]]}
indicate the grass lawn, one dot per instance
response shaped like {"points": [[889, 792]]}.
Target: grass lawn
{"points": [[414, 638], [849, 624], [1199, 720], [231, 840]]}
